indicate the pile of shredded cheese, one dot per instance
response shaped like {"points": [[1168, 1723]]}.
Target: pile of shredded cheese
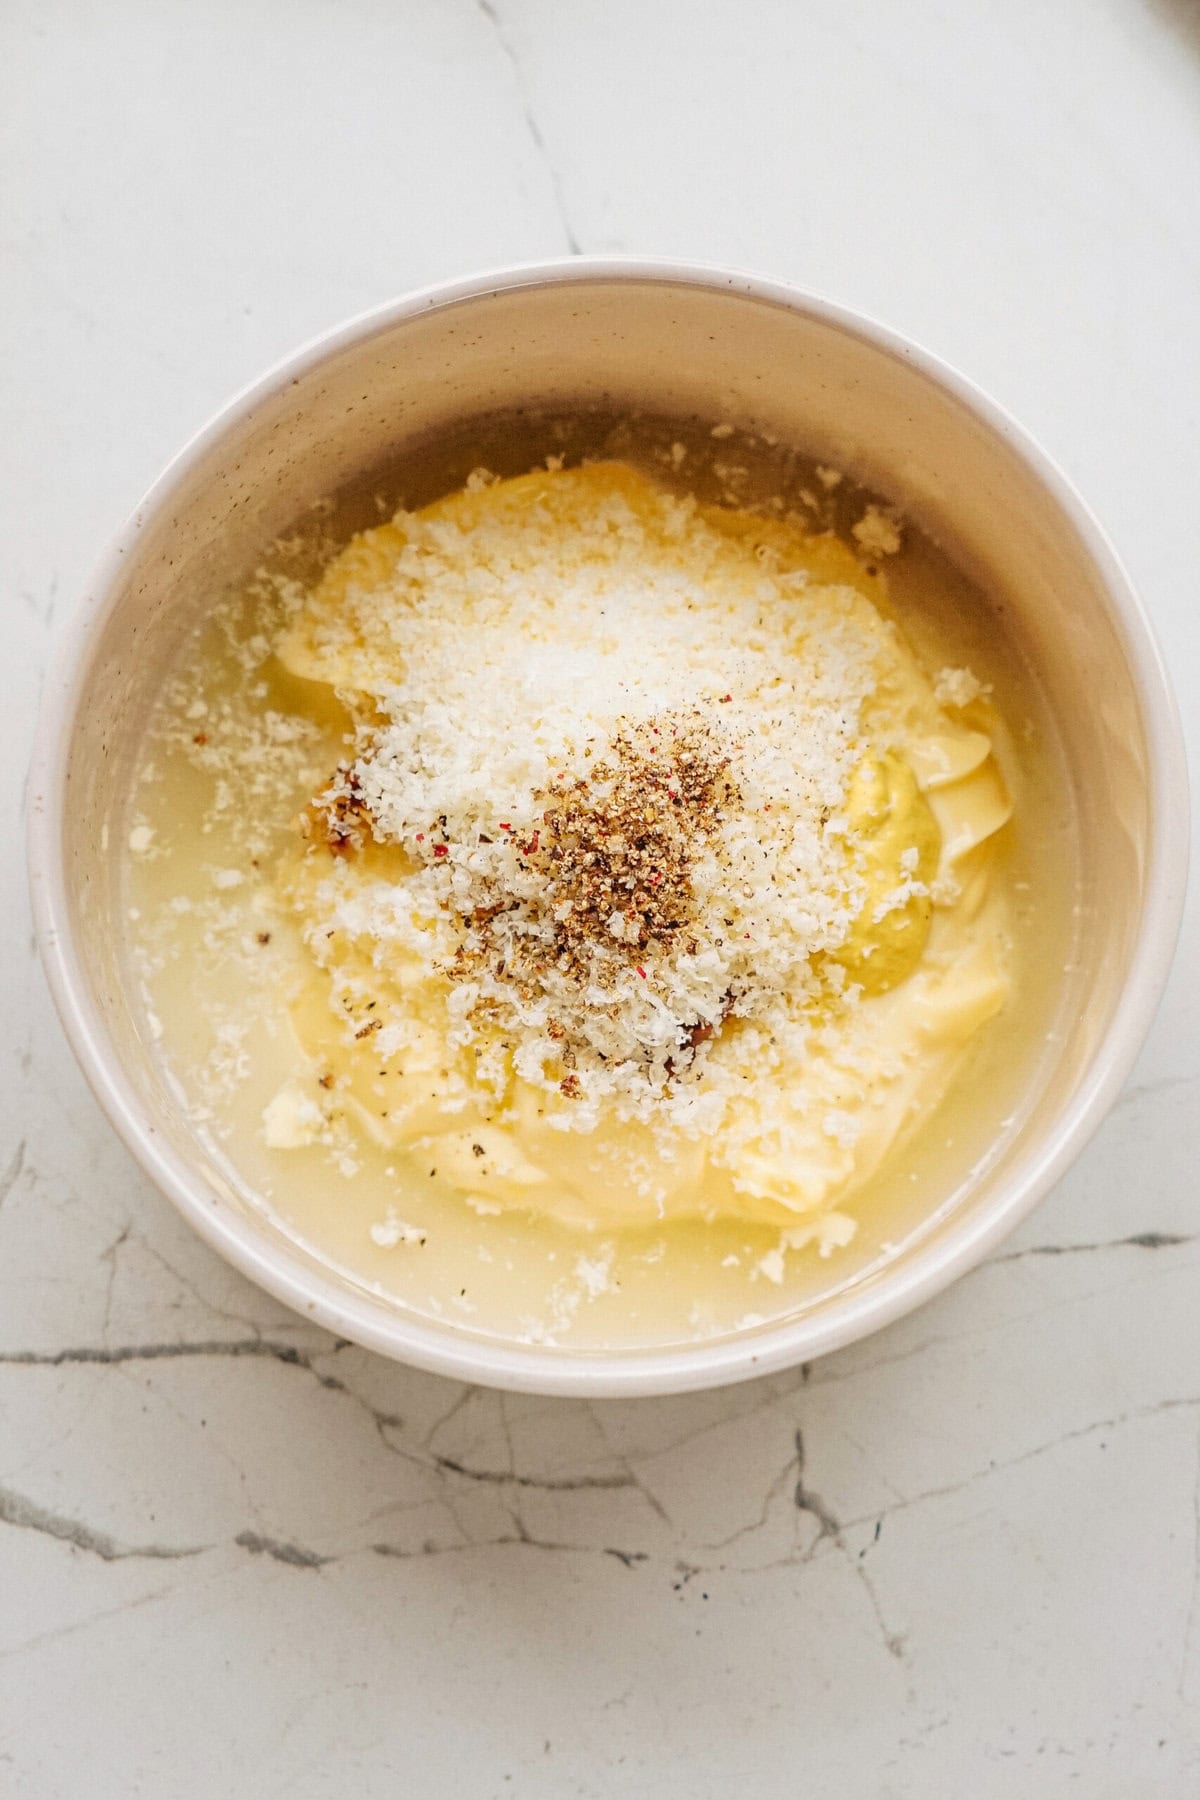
{"points": [[614, 743]]}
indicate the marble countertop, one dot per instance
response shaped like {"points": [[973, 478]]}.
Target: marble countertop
{"points": [[238, 1557]]}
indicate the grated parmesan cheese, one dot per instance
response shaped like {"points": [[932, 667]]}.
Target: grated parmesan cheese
{"points": [[292, 1119], [392, 1230], [877, 533], [956, 687], [625, 816]]}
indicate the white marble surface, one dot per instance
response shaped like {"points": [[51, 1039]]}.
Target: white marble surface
{"points": [[239, 1558]]}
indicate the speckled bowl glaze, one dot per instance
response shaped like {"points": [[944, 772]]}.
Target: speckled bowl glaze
{"points": [[665, 337]]}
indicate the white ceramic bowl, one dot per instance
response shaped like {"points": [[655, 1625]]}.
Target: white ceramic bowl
{"points": [[666, 337]]}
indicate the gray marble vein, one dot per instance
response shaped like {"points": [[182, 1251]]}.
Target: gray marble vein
{"points": [[507, 43], [25, 1515]]}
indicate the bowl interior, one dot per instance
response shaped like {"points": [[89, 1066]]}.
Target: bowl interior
{"points": [[664, 343]]}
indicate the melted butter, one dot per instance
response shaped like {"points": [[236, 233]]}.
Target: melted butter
{"points": [[686, 1259], [852, 1097], [901, 846]]}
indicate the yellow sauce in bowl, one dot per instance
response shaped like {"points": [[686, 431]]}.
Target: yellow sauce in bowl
{"points": [[606, 889]]}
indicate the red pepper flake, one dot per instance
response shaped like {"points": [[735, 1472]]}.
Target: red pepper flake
{"points": [[641, 972], [725, 697], [504, 825], [440, 850]]}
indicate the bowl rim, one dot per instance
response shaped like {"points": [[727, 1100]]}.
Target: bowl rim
{"points": [[298, 1280]]}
